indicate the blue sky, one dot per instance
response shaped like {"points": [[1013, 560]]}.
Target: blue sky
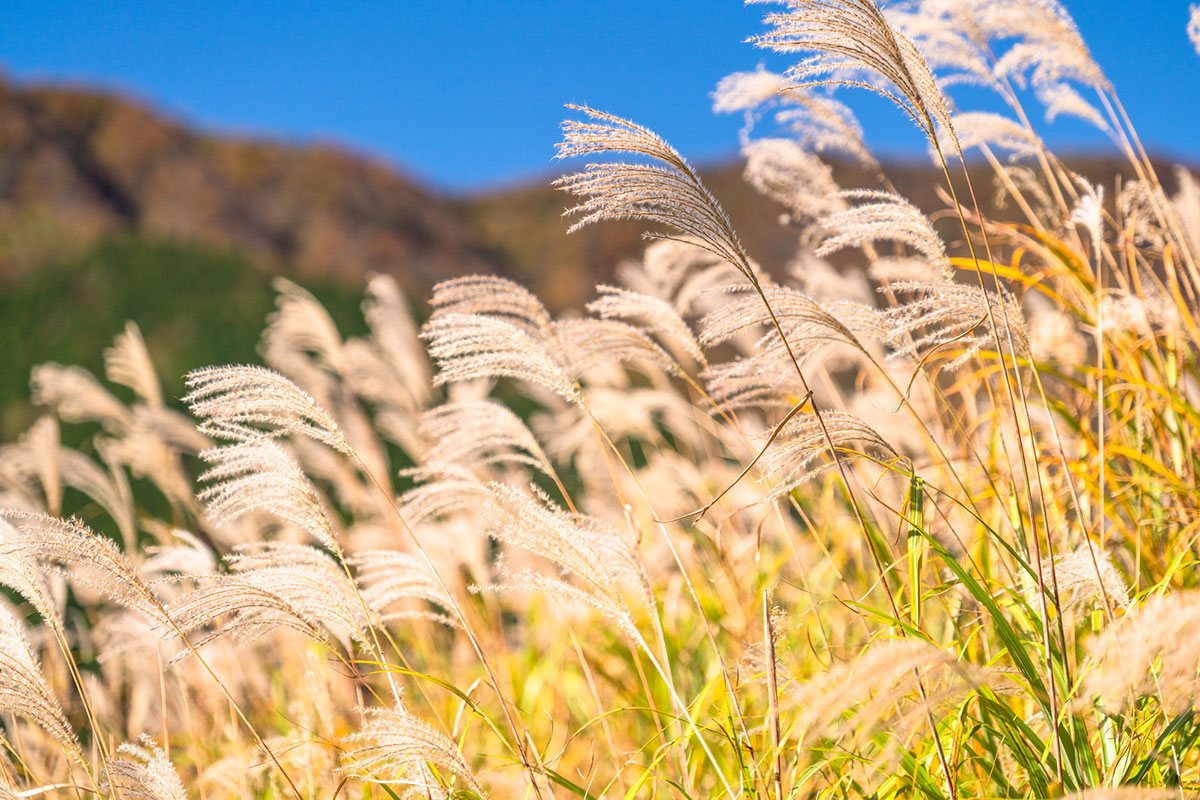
{"points": [[467, 95]]}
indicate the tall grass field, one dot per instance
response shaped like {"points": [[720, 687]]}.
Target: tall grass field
{"points": [[915, 517]]}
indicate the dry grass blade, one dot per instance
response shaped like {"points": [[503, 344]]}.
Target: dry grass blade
{"points": [[244, 403], [143, 771]]}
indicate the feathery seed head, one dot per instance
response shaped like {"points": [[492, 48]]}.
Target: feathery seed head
{"points": [[245, 403]]}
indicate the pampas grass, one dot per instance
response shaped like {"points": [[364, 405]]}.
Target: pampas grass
{"points": [[911, 512]]}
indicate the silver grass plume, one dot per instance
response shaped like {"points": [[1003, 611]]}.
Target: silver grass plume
{"points": [[1152, 651], [142, 771], [1062, 99], [388, 578], [850, 42], [668, 192], [274, 585], [884, 217], [802, 318], [761, 377], [128, 363], [1085, 576], [395, 333], [312, 583], [86, 558], [792, 458], [1193, 28], [480, 432], [22, 574], [1048, 48], [393, 739], [445, 489], [76, 396], [1089, 211], [300, 323], [600, 557], [494, 297], [793, 177], [890, 687], [955, 315], [469, 346], [652, 314], [244, 403], [583, 345], [985, 129], [260, 476], [23, 688], [818, 123]]}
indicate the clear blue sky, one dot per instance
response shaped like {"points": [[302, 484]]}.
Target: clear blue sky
{"points": [[469, 94]]}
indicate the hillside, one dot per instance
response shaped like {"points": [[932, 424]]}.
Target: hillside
{"points": [[76, 165], [110, 211]]}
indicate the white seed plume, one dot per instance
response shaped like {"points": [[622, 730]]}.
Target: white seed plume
{"points": [[23, 688], [1152, 651], [788, 174], [1193, 28], [244, 403], [955, 315], [301, 324], [1085, 577], [261, 476], [494, 297], [600, 556], [468, 346], [393, 739], [1089, 211], [448, 489], [583, 345], [76, 396], [652, 314], [142, 771], [884, 217], [388, 578], [668, 192], [1061, 98], [982, 128], [394, 332], [792, 458], [480, 432], [274, 585], [128, 363], [743, 91], [87, 559], [851, 42]]}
